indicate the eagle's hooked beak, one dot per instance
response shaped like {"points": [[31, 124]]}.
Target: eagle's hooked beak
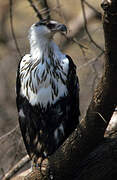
{"points": [[61, 28]]}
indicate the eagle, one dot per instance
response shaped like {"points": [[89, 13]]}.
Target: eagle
{"points": [[47, 92]]}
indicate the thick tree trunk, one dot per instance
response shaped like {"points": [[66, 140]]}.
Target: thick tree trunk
{"points": [[76, 158], [101, 164]]}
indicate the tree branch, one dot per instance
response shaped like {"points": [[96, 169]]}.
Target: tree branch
{"points": [[9, 133], [85, 24], [44, 5], [16, 168], [12, 29], [93, 8], [101, 164], [35, 9]]}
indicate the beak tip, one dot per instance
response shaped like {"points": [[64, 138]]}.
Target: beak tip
{"points": [[63, 28]]}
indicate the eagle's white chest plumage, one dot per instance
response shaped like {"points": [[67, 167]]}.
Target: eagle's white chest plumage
{"points": [[43, 82]]}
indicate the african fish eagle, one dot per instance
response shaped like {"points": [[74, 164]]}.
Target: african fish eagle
{"points": [[47, 91]]}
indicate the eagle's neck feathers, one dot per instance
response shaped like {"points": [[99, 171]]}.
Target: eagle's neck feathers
{"points": [[45, 71], [43, 47]]}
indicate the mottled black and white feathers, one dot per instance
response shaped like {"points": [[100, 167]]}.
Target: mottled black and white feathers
{"points": [[47, 92]]}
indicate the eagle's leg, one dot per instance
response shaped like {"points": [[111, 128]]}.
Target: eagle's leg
{"points": [[37, 164]]}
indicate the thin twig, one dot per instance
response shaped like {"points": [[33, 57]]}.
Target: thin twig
{"points": [[86, 29], [81, 46], [12, 29], [74, 40], [16, 168], [101, 116], [45, 4], [9, 133], [90, 62], [17, 151], [93, 8], [35, 9]]}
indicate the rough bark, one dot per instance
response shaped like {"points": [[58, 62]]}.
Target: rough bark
{"points": [[76, 158], [101, 164]]}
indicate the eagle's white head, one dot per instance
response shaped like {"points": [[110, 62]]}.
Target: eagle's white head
{"points": [[46, 29], [41, 35]]}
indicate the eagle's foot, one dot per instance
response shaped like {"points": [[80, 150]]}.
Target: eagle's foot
{"points": [[37, 164]]}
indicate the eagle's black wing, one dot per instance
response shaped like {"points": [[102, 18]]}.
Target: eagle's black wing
{"points": [[73, 95], [44, 130], [20, 102]]}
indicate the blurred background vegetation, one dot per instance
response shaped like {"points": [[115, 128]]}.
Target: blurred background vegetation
{"points": [[89, 60]]}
